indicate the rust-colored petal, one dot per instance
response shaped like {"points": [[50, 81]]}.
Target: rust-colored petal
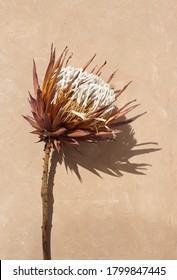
{"points": [[58, 132], [38, 120], [120, 112], [102, 133], [40, 103], [32, 122], [100, 68], [33, 103], [47, 121], [49, 71], [59, 62], [79, 133], [112, 76], [119, 92], [38, 132], [115, 124], [88, 63], [35, 78], [56, 121]]}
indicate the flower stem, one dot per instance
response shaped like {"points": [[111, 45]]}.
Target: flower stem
{"points": [[45, 205]]}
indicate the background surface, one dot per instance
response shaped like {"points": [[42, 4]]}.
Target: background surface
{"points": [[104, 207]]}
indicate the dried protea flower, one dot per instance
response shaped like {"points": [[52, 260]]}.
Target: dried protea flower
{"points": [[72, 106]]}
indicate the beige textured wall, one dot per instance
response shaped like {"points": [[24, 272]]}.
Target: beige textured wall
{"points": [[119, 214]]}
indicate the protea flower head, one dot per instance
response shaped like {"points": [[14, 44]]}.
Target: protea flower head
{"points": [[73, 105]]}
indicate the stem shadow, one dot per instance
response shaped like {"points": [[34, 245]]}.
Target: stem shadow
{"points": [[112, 158]]}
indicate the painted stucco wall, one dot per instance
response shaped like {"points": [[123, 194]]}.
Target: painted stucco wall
{"points": [[104, 207]]}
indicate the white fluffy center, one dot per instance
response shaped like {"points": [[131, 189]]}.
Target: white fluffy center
{"points": [[87, 87]]}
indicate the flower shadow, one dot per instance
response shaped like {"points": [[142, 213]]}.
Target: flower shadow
{"points": [[112, 158]]}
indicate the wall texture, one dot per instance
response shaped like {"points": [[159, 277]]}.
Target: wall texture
{"points": [[115, 200]]}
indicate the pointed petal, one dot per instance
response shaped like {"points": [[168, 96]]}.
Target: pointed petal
{"points": [[47, 121], [33, 103], [119, 92], [94, 69], [49, 104], [79, 133], [49, 70], [58, 132], [104, 133], [58, 69], [57, 119], [32, 122], [88, 63], [121, 112], [68, 59], [119, 123], [112, 76], [40, 103], [38, 132], [35, 78], [58, 62], [38, 120], [101, 67]]}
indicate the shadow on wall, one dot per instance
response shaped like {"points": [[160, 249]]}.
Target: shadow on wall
{"points": [[112, 158], [109, 157]]}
